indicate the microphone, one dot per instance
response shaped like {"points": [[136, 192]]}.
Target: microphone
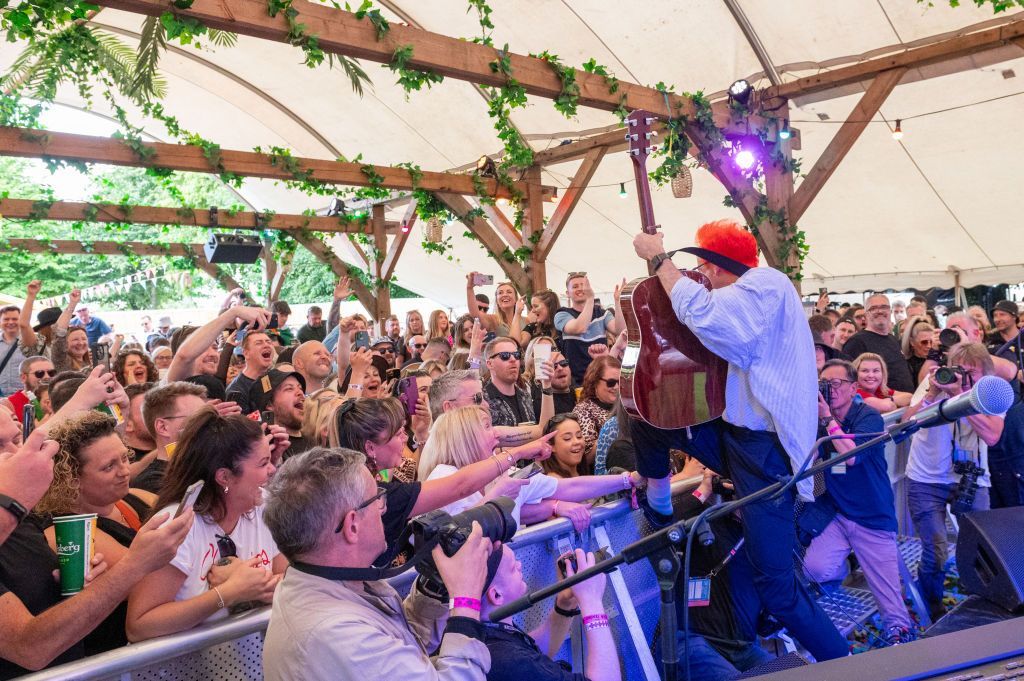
{"points": [[991, 395]]}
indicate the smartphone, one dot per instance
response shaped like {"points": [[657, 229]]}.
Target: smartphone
{"points": [[527, 472], [189, 499], [100, 355], [822, 291], [541, 354], [409, 394], [272, 324], [28, 420], [483, 279], [392, 374], [267, 417], [360, 340]]}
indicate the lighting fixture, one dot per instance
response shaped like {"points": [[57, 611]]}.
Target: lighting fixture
{"points": [[740, 91], [784, 132], [485, 167], [337, 207], [897, 134], [622, 190], [745, 159]]}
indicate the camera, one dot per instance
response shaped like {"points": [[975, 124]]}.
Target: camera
{"points": [[948, 338], [825, 388], [569, 558], [722, 486], [949, 375], [495, 519], [969, 472]]}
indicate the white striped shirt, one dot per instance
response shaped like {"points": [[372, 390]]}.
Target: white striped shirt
{"points": [[758, 326]]}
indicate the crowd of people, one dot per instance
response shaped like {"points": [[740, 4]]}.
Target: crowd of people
{"points": [[316, 446]]}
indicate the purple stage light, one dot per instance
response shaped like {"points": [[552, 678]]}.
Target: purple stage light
{"points": [[745, 159]]}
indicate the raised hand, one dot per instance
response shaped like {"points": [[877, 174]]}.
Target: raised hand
{"points": [[343, 289], [33, 287]]}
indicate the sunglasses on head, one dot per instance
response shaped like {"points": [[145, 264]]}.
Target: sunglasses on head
{"points": [[44, 372], [506, 356], [226, 546]]}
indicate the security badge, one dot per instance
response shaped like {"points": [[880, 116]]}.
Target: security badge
{"points": [[699, 592]]}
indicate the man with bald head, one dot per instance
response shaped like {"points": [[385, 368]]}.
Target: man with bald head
{"points": [[877, 338], [313, 361]]}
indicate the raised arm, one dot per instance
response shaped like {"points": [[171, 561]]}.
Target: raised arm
{"points": [[206, 335], [28, 336], [488, 321], [342, 291]]}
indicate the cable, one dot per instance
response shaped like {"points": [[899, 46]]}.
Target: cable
{"points": [[910, 118]]}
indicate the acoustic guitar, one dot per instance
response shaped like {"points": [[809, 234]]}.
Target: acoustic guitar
{"points": [[669, 379]]}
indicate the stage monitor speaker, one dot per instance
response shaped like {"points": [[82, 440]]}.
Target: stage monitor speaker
{"points": [[990, 556], [242, 249]]}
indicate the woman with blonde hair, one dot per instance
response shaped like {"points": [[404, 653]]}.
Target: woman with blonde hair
{"points": [[916, 342], [316, 414], [508, 321], [873, 384], [440, 326], [463, 437]]}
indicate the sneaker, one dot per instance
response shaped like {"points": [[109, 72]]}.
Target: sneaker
{"points": [[898, 635], [656, 520]]}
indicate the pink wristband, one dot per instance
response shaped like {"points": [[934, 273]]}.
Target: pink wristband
{"points": [[592, 622], [696, 493], [834, 430], [464, 602]]}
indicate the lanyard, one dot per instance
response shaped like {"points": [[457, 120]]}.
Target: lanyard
{"points": [[725, 561]]}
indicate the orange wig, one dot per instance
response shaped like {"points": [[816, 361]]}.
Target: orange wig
{"points": [[727, 238]]}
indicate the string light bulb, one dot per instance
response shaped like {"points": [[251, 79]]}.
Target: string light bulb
{"points": [[897, 134], [784, 132], [622, 190]]}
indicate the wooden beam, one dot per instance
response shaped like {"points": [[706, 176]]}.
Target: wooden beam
{"points": [[326, 255], [74, 211], [398, 243], [490, 239], [28, 143], [340, 32], [571, 196], [533, 230], [778, 180], [226, 281], [503, 226], [843, 141], [380, 248], [86, 247], [943, 50], [356, 251]]}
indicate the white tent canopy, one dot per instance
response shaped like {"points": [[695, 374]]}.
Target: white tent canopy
{"points": [[901, 214]]}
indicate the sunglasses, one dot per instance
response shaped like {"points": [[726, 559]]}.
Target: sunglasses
{"points": [[506, 356], [226, 546], [562, 363], [574, 275], [45, 372], [483, 308], [419, 346], [382, 495], [610, 382]]}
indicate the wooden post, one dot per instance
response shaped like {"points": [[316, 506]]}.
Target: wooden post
{"points": [[284, 266], [533, 231], [380, 248], [570, 197], [778, 179]]}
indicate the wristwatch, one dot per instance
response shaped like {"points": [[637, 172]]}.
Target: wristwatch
{"points": [[657, 260], [13, 507]]}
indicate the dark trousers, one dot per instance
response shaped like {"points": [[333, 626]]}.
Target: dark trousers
{"points": [[752, 460], [1007, 481]]}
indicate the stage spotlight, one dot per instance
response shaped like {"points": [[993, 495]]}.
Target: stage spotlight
{"points": [[485, 167], [336, 207], [784, 131], [745, 159], [740, 91]]}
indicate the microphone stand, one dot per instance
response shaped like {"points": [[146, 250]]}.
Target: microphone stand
{"points": [[659, 548]]}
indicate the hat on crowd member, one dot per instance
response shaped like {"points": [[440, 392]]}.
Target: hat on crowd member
{"points": [[47, 317], [262, 391], [159, 350], [726, 244], [1007, 306], [215, 389], [383, 340], [164, 321]]}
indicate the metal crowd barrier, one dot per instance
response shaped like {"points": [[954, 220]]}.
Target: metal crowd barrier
{"points": [[232, 648]]}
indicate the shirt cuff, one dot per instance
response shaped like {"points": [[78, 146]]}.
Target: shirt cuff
{"points": [[466, 626]]}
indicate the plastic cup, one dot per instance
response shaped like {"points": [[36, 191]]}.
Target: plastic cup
{"points": [[541, 354], [76, 545]]}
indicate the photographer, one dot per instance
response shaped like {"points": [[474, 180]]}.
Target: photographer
{"points": [[859, 493], [516, 654], [940, 456], [324, 510]]}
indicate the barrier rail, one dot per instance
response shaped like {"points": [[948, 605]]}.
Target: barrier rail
{"points": [[232, 648]]}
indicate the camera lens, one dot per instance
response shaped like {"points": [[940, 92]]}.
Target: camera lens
{"points": [[948, 338], [495, 519], [945, 376]]}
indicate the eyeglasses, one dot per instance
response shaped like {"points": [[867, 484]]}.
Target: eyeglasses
{"points": [[562, 363], [879, 308], [226, 546], [44, 372], [477, 399], [700, 267], [610, 382], [381, 495], [507, 356], [837, 383]]}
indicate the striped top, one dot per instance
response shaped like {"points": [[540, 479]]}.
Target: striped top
{"points": [[758, 326]]}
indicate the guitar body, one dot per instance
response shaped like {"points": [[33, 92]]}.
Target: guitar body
{"points": [[669, 379]]}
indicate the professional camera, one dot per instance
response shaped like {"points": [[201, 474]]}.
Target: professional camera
{"points": [[495, 519], [825, 388], [949, 375], [969, 473], [948, 338]]}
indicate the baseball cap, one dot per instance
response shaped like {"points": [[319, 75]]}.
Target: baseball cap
{"points": [[1007, 306], [262, 391]]}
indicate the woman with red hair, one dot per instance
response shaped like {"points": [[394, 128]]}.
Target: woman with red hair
{"points": [[753, 319]]}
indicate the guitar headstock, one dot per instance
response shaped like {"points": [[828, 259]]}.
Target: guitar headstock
{"points": [[640, 135]]}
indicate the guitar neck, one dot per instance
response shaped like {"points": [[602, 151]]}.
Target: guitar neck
{"points": [[643, 196]]}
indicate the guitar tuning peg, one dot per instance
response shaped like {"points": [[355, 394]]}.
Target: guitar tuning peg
{"points": [[630, 122], [633, 137], [650, 135], [649, 120]]}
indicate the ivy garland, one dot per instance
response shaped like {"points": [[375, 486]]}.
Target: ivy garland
{"points": [[568, 98]]}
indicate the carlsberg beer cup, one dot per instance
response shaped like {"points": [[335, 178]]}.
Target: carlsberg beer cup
{"points": [[75, 547]]}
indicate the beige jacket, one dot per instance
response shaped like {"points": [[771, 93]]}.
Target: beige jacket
{"points": [[323, 629]]}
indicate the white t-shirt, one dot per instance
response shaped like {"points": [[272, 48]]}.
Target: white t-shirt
{"points": [[540, 487], [199, 551], [931, 453]]}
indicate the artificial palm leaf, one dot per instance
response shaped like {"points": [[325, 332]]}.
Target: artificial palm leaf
{"points": [[222, 38], [354, 71], [146, 79]]}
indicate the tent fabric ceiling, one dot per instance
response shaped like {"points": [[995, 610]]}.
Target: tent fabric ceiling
{"points": [[895, 214]]}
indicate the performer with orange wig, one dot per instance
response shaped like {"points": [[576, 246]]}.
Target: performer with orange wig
{"points": [[753, 319]]}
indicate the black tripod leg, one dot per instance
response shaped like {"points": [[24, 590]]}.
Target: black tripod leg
{"points": [[666, 568]]}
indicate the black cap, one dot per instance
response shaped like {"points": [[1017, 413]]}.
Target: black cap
{"points": [[1007, 306], [262, 391], [47, 317], [215, 389]]}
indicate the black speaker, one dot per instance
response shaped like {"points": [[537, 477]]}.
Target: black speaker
{"points": [[990, 556], [241, 249]]}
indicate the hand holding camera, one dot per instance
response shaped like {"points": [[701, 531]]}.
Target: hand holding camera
{"points": [[465, 572]]}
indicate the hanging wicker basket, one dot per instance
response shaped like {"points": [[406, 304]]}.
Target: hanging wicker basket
{"points": [[682, 184], [435, 230]]}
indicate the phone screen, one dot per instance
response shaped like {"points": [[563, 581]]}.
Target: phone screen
{"points": [[28, 420], [527, 472], [189, 498], [361, 340], [409, 393], [267, 417]]}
